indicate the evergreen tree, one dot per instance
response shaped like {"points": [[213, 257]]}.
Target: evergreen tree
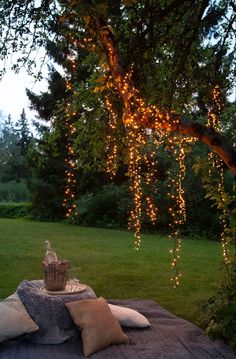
{"points": [[47, 158], [23, 133], [15, 142], [9, 152]]}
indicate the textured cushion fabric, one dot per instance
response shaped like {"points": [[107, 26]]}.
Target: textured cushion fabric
{"points": [[129, 317], [168, 337], [99, 328], [14, 319], [49, 312]]}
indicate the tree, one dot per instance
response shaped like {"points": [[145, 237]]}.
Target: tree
{"points": [[9, 152], [92, 16], [15, 142], [23, 133], [178, 59], [48, 155], [156, 71]]}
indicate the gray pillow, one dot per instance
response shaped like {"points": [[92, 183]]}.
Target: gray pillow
{"points": [[14, 319], [49, 311]]}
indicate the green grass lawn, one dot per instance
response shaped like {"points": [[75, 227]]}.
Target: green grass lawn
{"points": [[106, 260]]}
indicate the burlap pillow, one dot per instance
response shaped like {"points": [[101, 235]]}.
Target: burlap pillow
{"points": [[99, 328]]}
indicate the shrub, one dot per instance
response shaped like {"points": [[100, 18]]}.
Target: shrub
{"points": [[14, 210], [47, 199], [14, 192], [106, 208], [219, 312]]}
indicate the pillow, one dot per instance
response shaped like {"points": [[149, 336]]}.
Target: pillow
{"points": [[14, 320], [99, 328], [129, 317]]}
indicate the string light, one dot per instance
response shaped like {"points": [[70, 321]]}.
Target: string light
{"points": [[135, 139], [150, 160], [136, 117], [70, 117], [217, 164], [111, 142], [70, 162], [176, 194]]}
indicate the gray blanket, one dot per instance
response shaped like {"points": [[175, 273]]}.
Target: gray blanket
{"points": [[169, 337]]}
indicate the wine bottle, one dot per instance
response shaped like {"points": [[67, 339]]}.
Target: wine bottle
{"points": [[50, 255]]}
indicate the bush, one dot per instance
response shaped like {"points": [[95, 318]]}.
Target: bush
{"points": [[47, 198], [14, 210], [219, 312], [14, 192], [106, 208]]}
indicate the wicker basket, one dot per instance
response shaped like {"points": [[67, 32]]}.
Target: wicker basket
{"points": [[55, 275]]}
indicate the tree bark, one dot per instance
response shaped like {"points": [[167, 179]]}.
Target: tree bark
{"points": [[150, 116], [211, 138]]}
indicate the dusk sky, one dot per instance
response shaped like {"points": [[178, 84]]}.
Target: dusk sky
{"points": [[12, 93]]}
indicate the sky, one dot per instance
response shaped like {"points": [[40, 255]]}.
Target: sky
{"points": [[13, 96]]}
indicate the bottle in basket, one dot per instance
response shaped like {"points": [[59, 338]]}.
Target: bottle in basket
{"points": [[50, 255]]}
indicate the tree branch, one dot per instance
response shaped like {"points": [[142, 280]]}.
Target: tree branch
{"points": [[137, 113], [211, 138]]}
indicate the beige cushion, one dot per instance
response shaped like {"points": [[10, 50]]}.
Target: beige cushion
{"points": [[14, 319], [129, 317], [99, 328]]}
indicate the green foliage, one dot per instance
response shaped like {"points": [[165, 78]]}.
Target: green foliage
{"points": [[174, 67], [47, 158], [106, 208], [13, 191], [214, 186], [228, 120], [219, 312], [14, 210], [15, 143], [47, 186]]}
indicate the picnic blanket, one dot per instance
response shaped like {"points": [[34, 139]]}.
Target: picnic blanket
{"points": [[168, 337]]}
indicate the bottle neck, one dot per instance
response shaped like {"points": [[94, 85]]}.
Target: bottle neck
{"points": [[48, 247]]}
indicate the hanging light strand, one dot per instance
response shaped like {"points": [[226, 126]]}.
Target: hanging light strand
{"points": [[111, 141], [135, 118], [70, 159], [135, 140], [177, 211], [151, 182], [217, 166]]}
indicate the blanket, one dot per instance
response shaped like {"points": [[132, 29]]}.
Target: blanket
{"points": [[168, 337]]}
